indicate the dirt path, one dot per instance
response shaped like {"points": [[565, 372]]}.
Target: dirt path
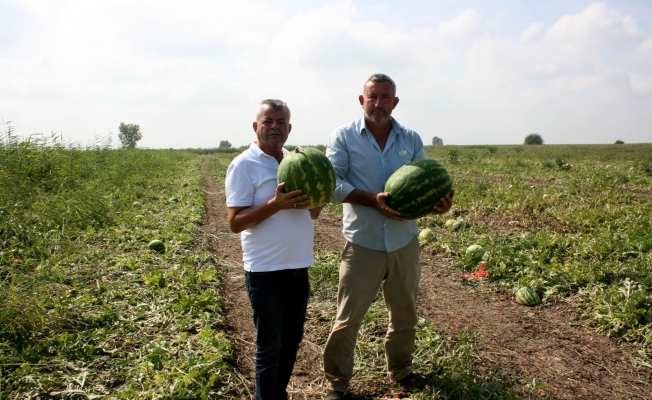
{"points": [[550, 344]]}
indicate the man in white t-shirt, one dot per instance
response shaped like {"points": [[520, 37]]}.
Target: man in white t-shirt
{"points": [[277, 242]]}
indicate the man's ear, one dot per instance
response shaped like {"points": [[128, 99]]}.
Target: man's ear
{"points": [[255, 126], [361, 99], [289, 128], [395, 102]]}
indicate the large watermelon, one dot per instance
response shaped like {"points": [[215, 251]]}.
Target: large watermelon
{"points": [[310, 170], [417, 187]]}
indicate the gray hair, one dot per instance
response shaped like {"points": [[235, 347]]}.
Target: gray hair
{"points": [[379, 78], [274, 104]]}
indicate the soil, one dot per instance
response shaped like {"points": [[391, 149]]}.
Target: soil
{"points": [[553, 344]]}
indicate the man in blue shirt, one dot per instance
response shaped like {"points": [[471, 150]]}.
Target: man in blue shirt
{"points": [[382, 247]]}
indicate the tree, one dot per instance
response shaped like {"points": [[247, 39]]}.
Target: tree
{"points": [[129, 135], [619, 142], [225, 144], [533, 138], [437, 141]]}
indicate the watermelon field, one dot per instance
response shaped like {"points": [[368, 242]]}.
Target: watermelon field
{"points": [[88, 311]]}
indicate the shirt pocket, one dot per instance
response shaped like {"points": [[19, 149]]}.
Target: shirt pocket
{"points": [[402, 157]]}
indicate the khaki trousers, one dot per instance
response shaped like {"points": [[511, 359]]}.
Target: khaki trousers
{"points": [[362, 272]]}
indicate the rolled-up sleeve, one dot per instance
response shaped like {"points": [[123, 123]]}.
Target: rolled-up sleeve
{"points": [[338, 155]]}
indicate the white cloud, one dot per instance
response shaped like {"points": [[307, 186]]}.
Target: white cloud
{"points": [[532, 30], [596, 27], [466, 25], [641, 84], [643, 54]]}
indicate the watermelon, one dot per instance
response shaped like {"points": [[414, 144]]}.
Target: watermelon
{"points": [[457, 224], [460, 224], [427, 235], [311, 171], [416, 187], [157, 245], [475, 252], [527, 297]]}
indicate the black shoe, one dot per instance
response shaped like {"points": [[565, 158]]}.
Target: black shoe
{"points": [[334, 395], [414, 381]]}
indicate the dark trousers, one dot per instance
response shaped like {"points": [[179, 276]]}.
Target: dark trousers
{"points": [[279, 300]]}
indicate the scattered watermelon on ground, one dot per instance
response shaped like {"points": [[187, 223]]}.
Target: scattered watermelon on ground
{"points": [[457, 224], [310, 170], [475, 252], [527, 297], [417, 187], [157, 245]]}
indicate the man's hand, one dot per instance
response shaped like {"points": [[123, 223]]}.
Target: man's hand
{"points": [[446, 204], [293, 199], [241, 218], [382, 206]]}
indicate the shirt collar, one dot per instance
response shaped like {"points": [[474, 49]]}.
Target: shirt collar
{"points": [[396, 127], [259, 153]]}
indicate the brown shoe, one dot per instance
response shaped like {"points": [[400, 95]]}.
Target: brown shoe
{"points": [[334, 395], [414, 381]]}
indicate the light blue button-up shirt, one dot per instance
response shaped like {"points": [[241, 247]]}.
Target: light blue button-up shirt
{"points": [[360, 164]]}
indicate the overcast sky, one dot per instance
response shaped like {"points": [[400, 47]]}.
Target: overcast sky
{"points": [[191, 72]]}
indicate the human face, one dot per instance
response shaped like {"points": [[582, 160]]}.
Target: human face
{"points": [[272, 129], [378, 101]]}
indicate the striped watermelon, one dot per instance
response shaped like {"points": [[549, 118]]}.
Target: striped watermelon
{"points": [[527, 297], [310, 170], [417, 187]]}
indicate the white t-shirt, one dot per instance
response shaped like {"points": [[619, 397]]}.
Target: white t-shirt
{"points": [[282, 241]]}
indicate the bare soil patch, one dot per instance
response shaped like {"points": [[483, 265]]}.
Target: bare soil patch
{"points": [[550, 344]]}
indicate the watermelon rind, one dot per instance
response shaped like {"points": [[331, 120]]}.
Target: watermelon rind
{"points": [[418, 186], [475, 252], [460, 224], [527, 297], [427, 235], [309, 170]]}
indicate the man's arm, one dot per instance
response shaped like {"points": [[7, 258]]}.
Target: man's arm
{"points": [[376, 201], [241, 218]]}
